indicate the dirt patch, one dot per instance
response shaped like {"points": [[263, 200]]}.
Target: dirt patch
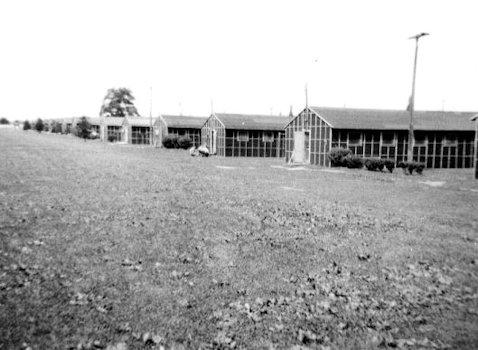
{"points": [[433, 183]]}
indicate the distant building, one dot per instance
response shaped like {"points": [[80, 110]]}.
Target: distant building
{"points": [[475, 119], [136, 130], [244, 135], [67, 125], [178, 125], [442, 139], [94, 124], [110, 128]]}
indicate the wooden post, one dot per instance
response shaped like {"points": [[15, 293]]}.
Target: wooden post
{"points": [[411, 104], [475, 150]]}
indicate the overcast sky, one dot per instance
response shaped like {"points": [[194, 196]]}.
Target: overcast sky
{"points": [[58, 58]]}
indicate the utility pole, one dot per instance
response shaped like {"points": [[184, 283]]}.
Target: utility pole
{"points": [[475, 119], [151, 116], [411, 104]]}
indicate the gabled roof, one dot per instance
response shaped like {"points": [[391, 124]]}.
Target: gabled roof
{"points": [[138, 121], [383, 119], [179, 121], [252, 121], [67, 120], [93, 121], [114, 121]]}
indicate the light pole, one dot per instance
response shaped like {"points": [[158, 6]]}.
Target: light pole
{"points": [[151, 134], [411, 104]]}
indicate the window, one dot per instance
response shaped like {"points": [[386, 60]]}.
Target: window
{"points": [[355, 138], [450, 140], [267, 136], [242, 136], [420, 139], [388, 138]]}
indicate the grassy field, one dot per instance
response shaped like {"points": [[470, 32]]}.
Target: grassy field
{"points": [[122, 247]]}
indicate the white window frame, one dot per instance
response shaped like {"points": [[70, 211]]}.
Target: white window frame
{"points": [[267, 136], [242, 136], [390, 142], [421, 142], [450, 143], [356, 143]]}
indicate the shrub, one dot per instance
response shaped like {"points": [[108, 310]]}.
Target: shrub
{"points": [[409, 167], [389, 164], [353, 162], [170, 142], [27, 125], [39, 125], [56, 127], [337, 156], [373, 164], [184, 142], [112, 138], [83, 128]]}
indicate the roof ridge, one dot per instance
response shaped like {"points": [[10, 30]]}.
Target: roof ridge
{"points": [[388, 110]]}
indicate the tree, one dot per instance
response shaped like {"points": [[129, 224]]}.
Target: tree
{"points": [[119, 103], [83, 128], [27, 125], [39, 125], [56, 127], [4, 121]]}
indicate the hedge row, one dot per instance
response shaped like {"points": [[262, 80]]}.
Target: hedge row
{"points": [[343, 157], [374, 164], [183, 142], [409, 167]]}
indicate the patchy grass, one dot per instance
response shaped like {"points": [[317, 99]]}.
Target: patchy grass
{"points": [[131, 247]]}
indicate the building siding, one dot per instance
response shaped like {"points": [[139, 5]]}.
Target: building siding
{"points": [[256, 144], [433, 148], [436, 149], [211, 125], [193, 134], [319, 138]]}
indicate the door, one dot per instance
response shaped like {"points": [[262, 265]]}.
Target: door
{"points": [[307, 146], [299, 150], [213, 141], [301, 153]]}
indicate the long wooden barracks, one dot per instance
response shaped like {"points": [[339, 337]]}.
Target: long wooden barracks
{"points": [[244, 135], [442, 139]]}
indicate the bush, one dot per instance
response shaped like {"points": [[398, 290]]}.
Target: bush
{"points": [[27, 125], [409, 167], [373, 164], [113, 138], [353, 162], [83, 128], [170, 142], [184, 142], [39, 125], [389, 164], [337, 156], [56, 127]]}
